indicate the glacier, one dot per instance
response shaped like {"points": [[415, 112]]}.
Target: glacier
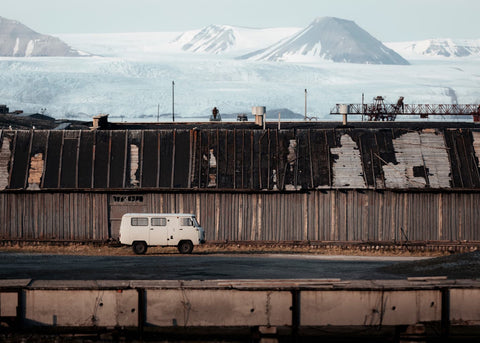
{"points": [[130, 78]]}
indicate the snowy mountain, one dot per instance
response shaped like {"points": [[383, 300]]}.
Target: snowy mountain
{"points": [[333, 39], [130, 77], [213, 39], [219, 39], [20, 41], [448, 48]]}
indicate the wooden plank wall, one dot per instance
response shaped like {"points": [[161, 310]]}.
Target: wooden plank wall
{"points": [[54, 216], [315, 216]]}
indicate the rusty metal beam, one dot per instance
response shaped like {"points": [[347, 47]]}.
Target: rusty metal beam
{"points": [[413, 109]]}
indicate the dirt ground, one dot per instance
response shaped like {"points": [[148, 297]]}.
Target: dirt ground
{"points": [[448, 263], [230, 248], [456, 266]]}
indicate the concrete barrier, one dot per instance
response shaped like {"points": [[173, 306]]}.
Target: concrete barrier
{"points": [[219, 307], [465, 306], [370, 308], [267, 305], [81, 308]]}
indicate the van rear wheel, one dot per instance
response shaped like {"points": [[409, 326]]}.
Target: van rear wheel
{"points": [[185, 247], [139, 248]]}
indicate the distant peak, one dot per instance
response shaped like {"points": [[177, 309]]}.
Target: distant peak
{"points": [[330, 38], [218, 27], [329, 19], [21, 41]]}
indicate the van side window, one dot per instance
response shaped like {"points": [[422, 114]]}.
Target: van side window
{"points": [[159, 221], [187, 222], [139, 222]]}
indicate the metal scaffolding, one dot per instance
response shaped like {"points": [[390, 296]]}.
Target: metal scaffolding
{"points": [[380, 111]]}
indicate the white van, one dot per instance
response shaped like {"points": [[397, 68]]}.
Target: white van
{"points": [[141, 230]]}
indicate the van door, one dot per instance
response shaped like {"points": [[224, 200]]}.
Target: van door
{"points": [[181, 230], [173, 224], [138, 229], [158, 230]]}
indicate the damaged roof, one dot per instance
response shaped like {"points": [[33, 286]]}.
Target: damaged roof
{"points": [[300, 159]]}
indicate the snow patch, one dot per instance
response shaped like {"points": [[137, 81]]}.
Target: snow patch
{"points": [[29, 49], [15, 49]]}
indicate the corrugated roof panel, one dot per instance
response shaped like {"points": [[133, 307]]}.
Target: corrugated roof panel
{"points": [[320, 158], [347, 166], [21, 159], [435, 158], [150, 159], [228, 172], [166, 159], [253, 160], [407, 172], [68, 177], [472, 162], [304, 160], [118, 156], [476, 150], [181, 158], [102, 159], [462, 159], [85, 160], [365, 141], [52, 160]]}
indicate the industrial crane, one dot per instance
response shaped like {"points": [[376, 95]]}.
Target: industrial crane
{"points": [[380, 111]]}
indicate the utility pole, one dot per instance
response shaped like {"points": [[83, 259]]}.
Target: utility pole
{"points": [[158, 113], [173, 101], [363, 101], [305, 104]]}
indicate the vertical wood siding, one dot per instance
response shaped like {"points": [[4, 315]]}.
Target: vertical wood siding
{"points": [[357, 216]]}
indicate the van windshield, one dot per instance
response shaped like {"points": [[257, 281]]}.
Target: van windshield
{"points": [[195, 223]]}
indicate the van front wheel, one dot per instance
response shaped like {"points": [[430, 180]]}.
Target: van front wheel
{"points": [[139, 248], [185, 247]]}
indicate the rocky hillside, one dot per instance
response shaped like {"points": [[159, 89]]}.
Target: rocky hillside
{"points": [[18, 40]]}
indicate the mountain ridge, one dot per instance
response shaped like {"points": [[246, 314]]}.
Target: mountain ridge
{"points": [[18, 40], [437, 47], [221, 39], [331, 39]]}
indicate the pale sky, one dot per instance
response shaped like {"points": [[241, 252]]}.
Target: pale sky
{"points": [[386, 20]]}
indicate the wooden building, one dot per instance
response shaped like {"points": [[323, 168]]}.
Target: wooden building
{"points": [[368, 182]]}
